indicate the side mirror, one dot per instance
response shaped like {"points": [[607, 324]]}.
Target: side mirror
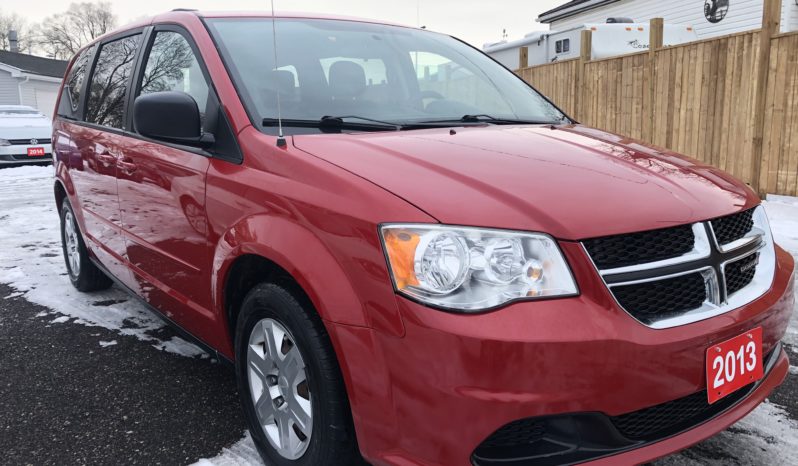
{"points": [[170, 116]]}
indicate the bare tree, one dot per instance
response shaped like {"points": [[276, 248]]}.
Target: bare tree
{"points": [[13, 22], [63, 34]]}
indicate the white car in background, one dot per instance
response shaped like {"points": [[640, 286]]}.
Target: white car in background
{"points": [[24, 135]]}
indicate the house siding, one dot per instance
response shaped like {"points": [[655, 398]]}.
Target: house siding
{"points": [[743, 15], [791, 17], [9, 91], [40, 95]]}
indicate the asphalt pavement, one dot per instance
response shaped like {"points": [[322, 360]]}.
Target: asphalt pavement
{"points": [[70, 396]]}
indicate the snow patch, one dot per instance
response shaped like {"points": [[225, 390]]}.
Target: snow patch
{"points": [[60, 320], [31, 261], [241, 453], [106, 344]]}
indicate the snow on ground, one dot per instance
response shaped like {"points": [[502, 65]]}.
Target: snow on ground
{"points": [[241, 453], [31, 261]]}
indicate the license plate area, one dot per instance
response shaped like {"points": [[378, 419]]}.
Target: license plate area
{"points": [[733, 364], [35, 151]]}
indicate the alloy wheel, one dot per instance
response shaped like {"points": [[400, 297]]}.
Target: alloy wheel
{"points": [[279, 387], [71, 243]]}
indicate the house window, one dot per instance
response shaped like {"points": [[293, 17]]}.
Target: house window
{"points": [[563, 46]]}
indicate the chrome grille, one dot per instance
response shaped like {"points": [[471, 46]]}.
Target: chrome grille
{"points": [[27, 142], [712, 274]]}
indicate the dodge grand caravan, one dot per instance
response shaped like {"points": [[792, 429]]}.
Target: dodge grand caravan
{"points": [[409, 254]]}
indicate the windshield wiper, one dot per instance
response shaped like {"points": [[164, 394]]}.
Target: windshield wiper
{"points": [[334, 124], [482, 118]]}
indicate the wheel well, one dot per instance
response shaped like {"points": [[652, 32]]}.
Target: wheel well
{"points": [[248, 271], [60, 194]]}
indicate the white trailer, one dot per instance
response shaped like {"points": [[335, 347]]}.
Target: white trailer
{"points": [[609, 39]]}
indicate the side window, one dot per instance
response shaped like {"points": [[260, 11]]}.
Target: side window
{"points": [[566, 45], [558, 46], [73, 84], [172, 66], [109, 81]]}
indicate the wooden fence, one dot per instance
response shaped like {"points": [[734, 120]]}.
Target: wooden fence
{"points": [[729, 101]]}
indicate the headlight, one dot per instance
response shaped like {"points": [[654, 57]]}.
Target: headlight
{"points": [[4, 142], [472, 269]]}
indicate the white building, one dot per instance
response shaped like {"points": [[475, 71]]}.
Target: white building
{"points": [[30, 80], [708, 17], [702, 18]]}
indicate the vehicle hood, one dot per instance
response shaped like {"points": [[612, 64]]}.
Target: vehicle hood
{"points": [[572, 182], [22, 127]]}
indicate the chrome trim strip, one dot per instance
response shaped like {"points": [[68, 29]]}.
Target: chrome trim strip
{"points": [[752, 235], [660, 277]]}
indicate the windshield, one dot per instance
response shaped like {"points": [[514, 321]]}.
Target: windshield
{"points": [[385, 73]]}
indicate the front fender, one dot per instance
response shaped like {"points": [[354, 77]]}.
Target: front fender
{"points": [[358, 294]]}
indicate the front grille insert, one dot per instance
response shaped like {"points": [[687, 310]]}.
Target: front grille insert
{"points": [[733, 227], [611, 252], [683, 274], [740, 273], [650, 301]]}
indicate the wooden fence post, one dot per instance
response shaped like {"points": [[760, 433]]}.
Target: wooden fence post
{"points": [[771, 17], [585, 52], [655, 40], [523, 58]]}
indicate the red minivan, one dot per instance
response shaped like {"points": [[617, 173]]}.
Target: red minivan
{"points": [[409, 254]]}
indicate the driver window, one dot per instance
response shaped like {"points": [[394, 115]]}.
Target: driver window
{"points": [[172, 66]]}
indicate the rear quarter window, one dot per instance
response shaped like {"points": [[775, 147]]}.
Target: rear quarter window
{"points": [[69, 105]]}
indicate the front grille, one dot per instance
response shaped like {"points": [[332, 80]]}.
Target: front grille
{"points": [[702, 268], [652, 422], [740, 273], [733, 227], [635, 248], [655, 300], [26, 142]]}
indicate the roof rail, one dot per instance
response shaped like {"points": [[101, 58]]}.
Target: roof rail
{"points": [[184, 9]]}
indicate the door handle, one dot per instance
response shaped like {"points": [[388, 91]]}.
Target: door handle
{"points": [[106, 158], [127, 167]]}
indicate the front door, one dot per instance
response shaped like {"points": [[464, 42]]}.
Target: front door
{"points": [[162, 196]]}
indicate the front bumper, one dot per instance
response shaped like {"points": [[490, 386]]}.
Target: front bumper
{"points": [[433, 396], [17, 154]]}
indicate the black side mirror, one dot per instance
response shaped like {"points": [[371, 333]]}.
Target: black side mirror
{"points": [[170, 116]]}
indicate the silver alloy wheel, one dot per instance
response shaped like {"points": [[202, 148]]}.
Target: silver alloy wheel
{"points": [[279, 387], [71, 244]]}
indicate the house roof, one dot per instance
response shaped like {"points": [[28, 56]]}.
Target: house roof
{"points": [[571, 8], [33, 64]]}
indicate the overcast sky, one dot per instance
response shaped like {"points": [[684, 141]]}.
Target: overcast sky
{"points": [[476, 21]]}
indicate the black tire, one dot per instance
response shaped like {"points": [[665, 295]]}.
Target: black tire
{"points": [[333, 441], [87, 277]]}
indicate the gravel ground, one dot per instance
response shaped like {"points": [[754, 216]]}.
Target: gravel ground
{"points": [[95, 379]]}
